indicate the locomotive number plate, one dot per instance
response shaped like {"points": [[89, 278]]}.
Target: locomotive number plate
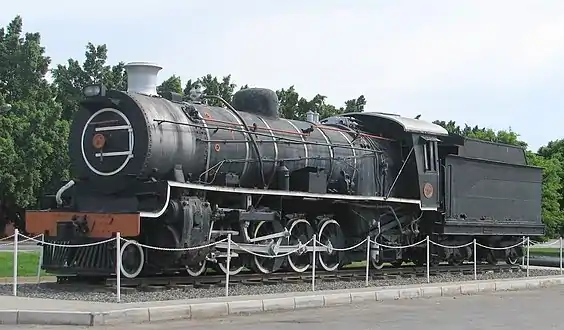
{"points": [[428, 190]]}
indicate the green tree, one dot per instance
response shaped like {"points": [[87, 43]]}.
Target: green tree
{"points": [[482, 133], [555, 150], [70, 79], [172, 84], [552, 149], [211, 85], [33, 137], [354, 105], [292, 106], [553, 172]]}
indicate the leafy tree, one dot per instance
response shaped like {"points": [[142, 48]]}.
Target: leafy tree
{"points": [[292, 106], [553, 172], [210, 85], [70, 79], [33, 137], [354, 105], [553, 149], [172, 84], [482, 133]]}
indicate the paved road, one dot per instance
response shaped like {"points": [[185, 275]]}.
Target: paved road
{"points": [[538, 309]]}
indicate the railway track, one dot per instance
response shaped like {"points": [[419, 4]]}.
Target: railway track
{"points": [[157, 283]]}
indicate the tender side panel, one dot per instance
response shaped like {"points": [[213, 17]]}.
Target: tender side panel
{"points": [[486, 197], [100, 225]]}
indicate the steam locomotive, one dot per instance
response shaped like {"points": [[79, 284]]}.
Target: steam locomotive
{"points": [[169, 172]]}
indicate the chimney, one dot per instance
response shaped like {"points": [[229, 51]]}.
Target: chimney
{"points": [[142, 77]]}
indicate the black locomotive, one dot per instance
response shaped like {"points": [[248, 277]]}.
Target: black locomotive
{"points": [[168, 172]]}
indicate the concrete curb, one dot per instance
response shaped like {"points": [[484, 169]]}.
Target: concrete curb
{"points": [[218, 309]]}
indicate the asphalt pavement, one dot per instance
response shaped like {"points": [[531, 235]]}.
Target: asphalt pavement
{"points": [[535, 309]]}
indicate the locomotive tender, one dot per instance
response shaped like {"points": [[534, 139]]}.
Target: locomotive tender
{"points": [[174, 173]]}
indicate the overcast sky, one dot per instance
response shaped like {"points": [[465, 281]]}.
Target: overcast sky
{"points": [[496, 63]]}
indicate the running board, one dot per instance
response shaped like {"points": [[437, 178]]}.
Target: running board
{"points": [[272, 192]]}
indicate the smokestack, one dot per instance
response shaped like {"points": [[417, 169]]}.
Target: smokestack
{"points": [[142, 77]]}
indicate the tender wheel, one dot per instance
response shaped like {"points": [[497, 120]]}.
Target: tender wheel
{"points": [[197, 269], [132, 259], [267, 265], [331, 236], [300, 232]]}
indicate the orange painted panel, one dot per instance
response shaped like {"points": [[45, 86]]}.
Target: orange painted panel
{"points": [[101, 225]]}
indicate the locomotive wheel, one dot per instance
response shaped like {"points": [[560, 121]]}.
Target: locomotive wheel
{"points": [[300, 232], [331, 236], [166, 237], [397, 263], [132, 259], [377, 264], [267, 265], [491, 258], [235, 264], [198, 269], [512, 257], [455, 258]]}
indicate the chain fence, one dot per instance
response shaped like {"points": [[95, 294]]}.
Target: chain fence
{"points": [[315, 248]]}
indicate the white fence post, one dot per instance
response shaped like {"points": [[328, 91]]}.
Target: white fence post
{"points": [[118, 266], [367, 259], [560, 255], [15, 274], [528, 246], [228, 265], [523, 259], [475, 252], [41, 251], [313, 263], [428, 260]]}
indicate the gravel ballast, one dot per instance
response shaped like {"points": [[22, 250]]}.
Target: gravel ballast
{"points": [[98, 294]]}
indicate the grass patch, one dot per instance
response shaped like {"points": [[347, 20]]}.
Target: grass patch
{"points": [[27, 264], [548, 252]]}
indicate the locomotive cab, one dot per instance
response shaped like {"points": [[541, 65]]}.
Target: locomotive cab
{"points": [[418, 142]]}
